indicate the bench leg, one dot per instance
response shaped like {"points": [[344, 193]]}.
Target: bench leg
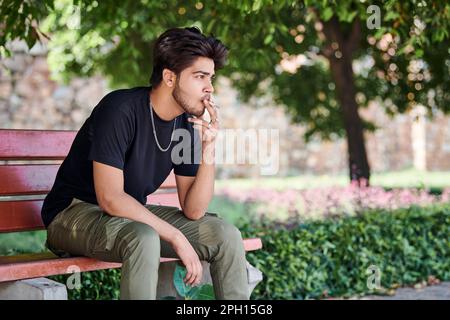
{"points": [[33, 289], [166, 287]]}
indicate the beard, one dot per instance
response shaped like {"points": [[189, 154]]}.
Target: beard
{"points": [[179, 97]]}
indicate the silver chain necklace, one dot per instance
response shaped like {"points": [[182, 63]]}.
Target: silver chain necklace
{"points": [[154, 131]]}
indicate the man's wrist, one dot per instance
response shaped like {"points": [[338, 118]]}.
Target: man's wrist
{"points": [[209, 144], [209, 152]]}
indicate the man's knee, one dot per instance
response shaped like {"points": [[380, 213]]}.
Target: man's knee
{"points": [[223, 232], [143, 238]]}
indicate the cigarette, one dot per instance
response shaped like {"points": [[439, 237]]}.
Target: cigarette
{"points": [[214, 104]]}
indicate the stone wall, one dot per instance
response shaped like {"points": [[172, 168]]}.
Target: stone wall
{"points": [[29, 99]]}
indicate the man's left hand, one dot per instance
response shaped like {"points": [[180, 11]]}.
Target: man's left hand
{"points": [[208, 130]]}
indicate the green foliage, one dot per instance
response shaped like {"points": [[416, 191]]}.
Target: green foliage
{"points": [[332, 257], [17, 21]]}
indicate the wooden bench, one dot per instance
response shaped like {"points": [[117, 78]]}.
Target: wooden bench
{"points": [[23, 187]]}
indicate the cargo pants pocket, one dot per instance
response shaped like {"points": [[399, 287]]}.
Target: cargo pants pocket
{"points": [[106, 234]]}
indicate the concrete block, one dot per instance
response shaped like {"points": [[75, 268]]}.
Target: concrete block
{"points": [[33, 289]]}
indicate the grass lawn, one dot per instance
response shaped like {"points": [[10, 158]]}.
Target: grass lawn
{"points": [[406, 178], [22, 242]]}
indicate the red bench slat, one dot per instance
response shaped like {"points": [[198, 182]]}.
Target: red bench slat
{"points": [[47, 264], [20, 215], [164, 199], [38, 179], [17, 144], [25, 215], [27, 179]]}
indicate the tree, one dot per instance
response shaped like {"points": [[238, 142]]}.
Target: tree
{"points": [[321, 59]]}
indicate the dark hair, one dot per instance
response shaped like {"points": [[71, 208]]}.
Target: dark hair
{"points": [[177, 49]]}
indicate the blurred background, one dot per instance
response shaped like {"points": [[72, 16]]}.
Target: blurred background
{"points": [[358, 91]]}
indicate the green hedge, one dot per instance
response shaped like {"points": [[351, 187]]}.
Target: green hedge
{"points": [[331, 257], [97, 285]]}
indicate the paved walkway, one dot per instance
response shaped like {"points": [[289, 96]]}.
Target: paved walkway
{"points": [[435, 292]]}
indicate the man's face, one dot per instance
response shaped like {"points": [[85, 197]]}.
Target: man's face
{"points": [[193, 85]]}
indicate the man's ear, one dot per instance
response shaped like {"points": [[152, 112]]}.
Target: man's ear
{"points": [[169, 77]]}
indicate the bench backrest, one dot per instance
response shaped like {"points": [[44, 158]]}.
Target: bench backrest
{"points": [[23, 185]]}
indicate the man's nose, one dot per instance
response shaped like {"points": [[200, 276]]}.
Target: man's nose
{"points": [[210, 88]]}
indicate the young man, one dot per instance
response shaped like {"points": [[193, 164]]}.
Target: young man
{"points": [[122, 153]]}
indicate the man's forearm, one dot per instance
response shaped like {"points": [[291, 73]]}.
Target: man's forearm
{"points": [[126, 206], [202, 190]]}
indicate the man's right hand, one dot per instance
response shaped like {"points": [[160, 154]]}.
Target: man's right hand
{"points": [[190, 259]]}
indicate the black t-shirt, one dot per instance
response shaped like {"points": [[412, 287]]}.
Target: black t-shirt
{"points": [[119, 133]]}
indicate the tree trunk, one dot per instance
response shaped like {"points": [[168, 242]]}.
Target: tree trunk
{"points": [[343, 77], [340, 58]]}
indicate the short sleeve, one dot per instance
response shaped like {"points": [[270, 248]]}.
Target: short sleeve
{"points": [[190, 169], [112, 132]]}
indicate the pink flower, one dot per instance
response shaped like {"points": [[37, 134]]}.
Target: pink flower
{"points": [[323, 202]]}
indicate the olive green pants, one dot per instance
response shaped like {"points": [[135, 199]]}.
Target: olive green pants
{"points": [[84, 229]]}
